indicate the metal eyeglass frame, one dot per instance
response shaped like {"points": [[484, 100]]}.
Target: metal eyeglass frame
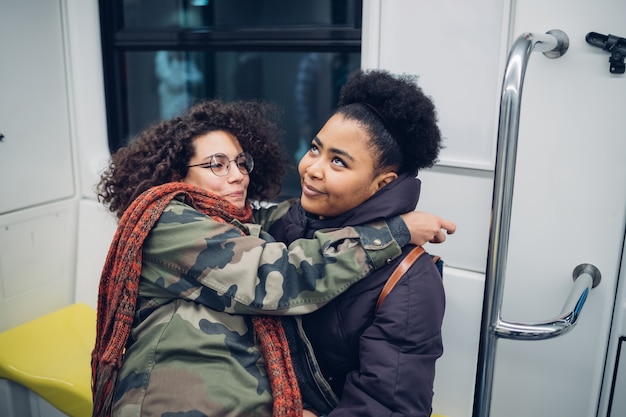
{"points": [[245, 169]]}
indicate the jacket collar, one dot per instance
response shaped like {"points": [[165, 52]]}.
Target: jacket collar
{"points": [[399, 196]]}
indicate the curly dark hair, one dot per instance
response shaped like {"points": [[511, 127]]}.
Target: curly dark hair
{"points": [[161, 153], [400, 118]]}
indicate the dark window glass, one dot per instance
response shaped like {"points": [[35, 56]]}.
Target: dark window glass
{"points": [[215, 14], [162, 55]]}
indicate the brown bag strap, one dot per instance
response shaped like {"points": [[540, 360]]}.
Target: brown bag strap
{"points": [[406, 263]]}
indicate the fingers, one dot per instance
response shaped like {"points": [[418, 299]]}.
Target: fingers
{"points": [[448, 226], [427, 227], [439, 237]]}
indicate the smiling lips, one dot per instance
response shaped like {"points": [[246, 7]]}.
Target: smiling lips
{"points": [[310, 191]]}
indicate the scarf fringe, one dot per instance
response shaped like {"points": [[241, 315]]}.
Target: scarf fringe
{"points": [[103, 389]]}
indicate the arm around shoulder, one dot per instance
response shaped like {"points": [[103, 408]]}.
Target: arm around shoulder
{"points": [[213, 264]]}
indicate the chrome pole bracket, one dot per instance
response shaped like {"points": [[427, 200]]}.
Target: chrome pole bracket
{"points": [[593, 272], [562, 44]]}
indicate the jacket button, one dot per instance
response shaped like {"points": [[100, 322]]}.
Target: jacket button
{"points": [[377, 242]]}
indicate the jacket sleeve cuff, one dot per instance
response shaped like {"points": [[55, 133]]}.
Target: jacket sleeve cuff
{"points": [[379, 243], [399, 230]]}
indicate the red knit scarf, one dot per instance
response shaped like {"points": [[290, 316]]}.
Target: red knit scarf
{"points": [[118, 291]]}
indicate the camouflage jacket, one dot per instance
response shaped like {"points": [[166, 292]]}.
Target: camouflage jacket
{"points": [[184, 359]]}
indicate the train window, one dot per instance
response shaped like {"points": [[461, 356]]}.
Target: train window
{"points": [[161, 55], [206, 14]]}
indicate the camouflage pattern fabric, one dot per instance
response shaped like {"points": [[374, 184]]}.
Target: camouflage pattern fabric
{"points": [[184, 359]]}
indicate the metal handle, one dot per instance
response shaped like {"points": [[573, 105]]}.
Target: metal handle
{"points": [[553, 44], [586, 277]]}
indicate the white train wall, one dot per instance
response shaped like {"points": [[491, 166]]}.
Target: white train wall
{"points": [[569, 204], [569, 201]]}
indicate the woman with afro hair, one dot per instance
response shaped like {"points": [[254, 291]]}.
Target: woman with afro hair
{"points": [[363, 355], [187, 255]]}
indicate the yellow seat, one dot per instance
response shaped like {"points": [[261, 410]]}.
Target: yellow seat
{"points": [[51, 356]]}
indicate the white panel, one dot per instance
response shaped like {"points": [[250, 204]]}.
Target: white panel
{"points": [[17, 401], [463, 196], [618, 385], [14, 400], [456, 369], [36, 262], [569, 207], [33, 105], [96, 227], [616, 352], [87, 93], [454, 47], [570, 204], [32, 252], [370, 37]]}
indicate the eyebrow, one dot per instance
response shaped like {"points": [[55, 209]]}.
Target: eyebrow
{"points": [[333, 150], [222, 153]]}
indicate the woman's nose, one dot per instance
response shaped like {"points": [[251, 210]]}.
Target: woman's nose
{"points": [[314, 168], [234, 174]]}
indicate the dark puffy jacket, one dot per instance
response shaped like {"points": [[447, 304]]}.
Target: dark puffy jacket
{"points": [[378, 363]]}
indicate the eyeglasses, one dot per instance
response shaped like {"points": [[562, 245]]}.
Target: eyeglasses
{"points": [[220, 164]]}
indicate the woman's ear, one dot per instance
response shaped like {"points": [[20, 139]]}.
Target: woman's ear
{"points": [[384, 179], [177, 177]]}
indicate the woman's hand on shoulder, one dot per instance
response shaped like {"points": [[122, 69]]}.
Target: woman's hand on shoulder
{"points": [[427, 227]]}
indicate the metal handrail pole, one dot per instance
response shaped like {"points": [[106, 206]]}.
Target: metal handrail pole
{"points": [[506, 152]]}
